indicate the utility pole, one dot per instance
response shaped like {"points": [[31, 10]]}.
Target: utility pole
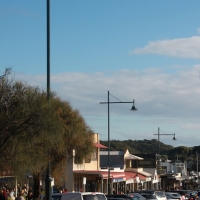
{"points": [[197, 167], [48, 178]]}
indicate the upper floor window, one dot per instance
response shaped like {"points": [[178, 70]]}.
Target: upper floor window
{"points": [[94, 155]]}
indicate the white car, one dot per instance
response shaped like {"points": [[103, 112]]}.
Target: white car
{"points": [[79, 196]]}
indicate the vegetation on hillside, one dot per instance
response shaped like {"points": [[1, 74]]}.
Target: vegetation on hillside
{"points": [[177, 154]]}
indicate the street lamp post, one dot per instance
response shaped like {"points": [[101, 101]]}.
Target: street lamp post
{"points": [[174, 138], [108, 102], [197, 168], [48, 178]]}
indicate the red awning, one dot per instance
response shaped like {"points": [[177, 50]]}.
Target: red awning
{"points": [[98, 145], [103, 174], [117, 175], [113, 175], [134, 175]]}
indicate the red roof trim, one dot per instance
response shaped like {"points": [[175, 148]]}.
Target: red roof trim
{"points": [[104, 174], [98, 145], [134, 175]]}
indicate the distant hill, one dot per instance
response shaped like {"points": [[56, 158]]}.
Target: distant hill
{"points": [[180, 153], [138, 146]]}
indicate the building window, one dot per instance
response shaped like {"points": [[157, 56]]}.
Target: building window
{"points": [[94, 155]]}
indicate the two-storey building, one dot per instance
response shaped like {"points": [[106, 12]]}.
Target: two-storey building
{"points": [[92, 174]]}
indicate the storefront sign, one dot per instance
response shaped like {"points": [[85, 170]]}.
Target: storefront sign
{"points": [[137, 179], [84, 180], [118, 180], [148, 178], [129, 181]]}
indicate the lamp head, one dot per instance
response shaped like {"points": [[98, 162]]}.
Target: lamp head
{"points": [[174, 138], [133, 107]]}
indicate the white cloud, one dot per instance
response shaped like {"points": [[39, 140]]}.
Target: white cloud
{"points": [[157, 92], [191, 126], [182, 48], [169, 101]]}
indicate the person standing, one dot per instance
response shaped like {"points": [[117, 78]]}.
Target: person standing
{"points": [[20, 196], [2, 197], [11, 195], [29, 196], [183, 196]]}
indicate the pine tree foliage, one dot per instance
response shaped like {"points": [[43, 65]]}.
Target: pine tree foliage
{"points": [[35, 132]]}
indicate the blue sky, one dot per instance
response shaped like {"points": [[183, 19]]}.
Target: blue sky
{"points": [[143, 50]]}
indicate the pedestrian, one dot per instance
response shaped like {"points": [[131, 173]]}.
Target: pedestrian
{"points": [[2, 197], [29, 196], [11, 195], [183, 196], [5, 193], [20, 196]]}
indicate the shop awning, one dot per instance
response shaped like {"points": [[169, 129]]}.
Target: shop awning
{"points": [[133, 175], [133, 157], [98, 145], [113, 175], [103, 174], [117, 175]]}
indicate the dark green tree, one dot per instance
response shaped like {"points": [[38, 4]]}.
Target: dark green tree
{"points": [[34, 132]]}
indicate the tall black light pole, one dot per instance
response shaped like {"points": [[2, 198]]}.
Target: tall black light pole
{"points": [[48, 178], [48, 50], [108, 102], [174, 138], [197, 168]]}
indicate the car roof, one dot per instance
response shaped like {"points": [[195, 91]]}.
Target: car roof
{"points": [[78, 193], [116, 198]]}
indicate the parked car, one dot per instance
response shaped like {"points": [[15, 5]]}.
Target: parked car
{"points": [[124, 196], [115, 198], [160, 195], [191, 195], [79, 196], [149, 196], [138, 195], [176, 195], [171, 197], [181, 192]]}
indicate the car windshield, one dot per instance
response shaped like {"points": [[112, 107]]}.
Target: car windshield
{"points": [[94, 197], [170, 196], [160, 194], [56, 197], [149, 196], [176, 195], [193, 193], [124, 196]]}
